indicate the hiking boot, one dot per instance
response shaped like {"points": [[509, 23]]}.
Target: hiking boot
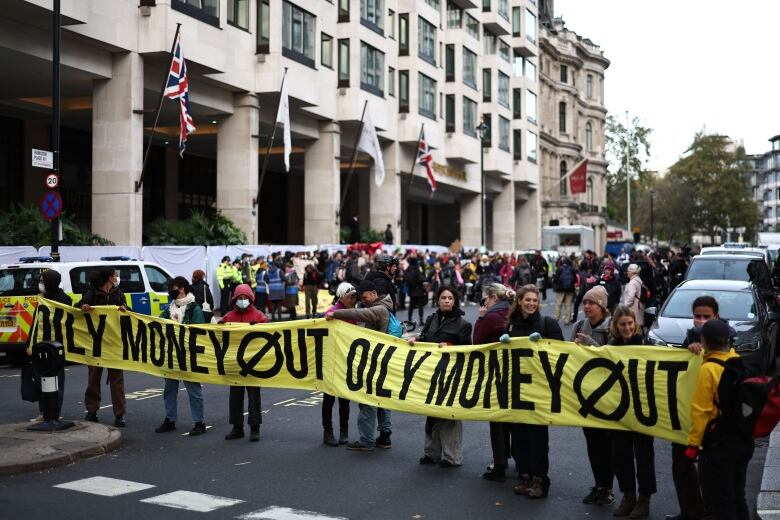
{"points": [[591, 497], [383, 441], [119, 421], [166, 426], [626, 505], [236, 433], [198, 429], [343, 436], [254, 434], [497, 474], [605, 497], [537, 489], [525, 483], [358, 446], [642, 507], [328, 438], [91, 416]]}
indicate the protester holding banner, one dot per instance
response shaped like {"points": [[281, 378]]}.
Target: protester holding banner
{"points": [[594, 331], [244, 312], [183, 309], [346, 296], [628, 446], [446, 326], [531, 442], [104, 290]]}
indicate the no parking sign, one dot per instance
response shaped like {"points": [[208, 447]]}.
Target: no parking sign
{"points": [[51, 205]]}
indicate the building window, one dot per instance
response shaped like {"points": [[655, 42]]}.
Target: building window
{"points": [[486, 6], [298, 34], [469, 68], [371, 12], [530, 25], [589, 86], [426, 40], [391, 24], [503, 133], [562, 185], [238, 13], [433, 3], [564, 74], [529, 69], [391, 81], [403, 34], [343, 11], [449, 62], [503, 89], [515, 21], [562, 117], [372, 69], [454, 16], [530, 144], [503, 51], [487, 85], [590, 194], [530, 106], [487, 140], [503, 9], [403, 91], [427, 94], [490, 45], [472, 26], [204, 10], [588, 136], [450, 113], [517, 148], [344, 62], [469, 117], [263, 26], [326, 50], [517, 96]]}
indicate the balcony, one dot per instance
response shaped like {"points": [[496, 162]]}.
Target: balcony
{"points": [[464, 4], [461, 147], [496, 23]]}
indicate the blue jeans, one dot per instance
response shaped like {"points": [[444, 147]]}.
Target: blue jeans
{"points": [[367, 419], [171, 394]]}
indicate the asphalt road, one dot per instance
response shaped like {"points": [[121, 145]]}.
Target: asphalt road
{"points": [[291, 468]]}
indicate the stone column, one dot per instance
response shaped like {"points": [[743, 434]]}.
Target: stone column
{"points": [[385, 201], [117, 152], [322, 187], [237, 164], [470, 221], [171, 183], [528, 224], [504, 218]]}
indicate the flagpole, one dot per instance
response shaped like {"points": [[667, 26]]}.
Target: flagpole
{"points": [[256, 200], [568, 174], [352, 161], [140, 180], [404, 213], [416, 156]]}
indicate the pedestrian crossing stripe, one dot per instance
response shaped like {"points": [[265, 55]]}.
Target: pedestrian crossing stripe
{"points": [[105, 486], [286, 513], [191, 501]]}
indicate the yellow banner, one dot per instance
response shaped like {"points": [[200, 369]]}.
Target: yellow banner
{"points": [[644, 389]]}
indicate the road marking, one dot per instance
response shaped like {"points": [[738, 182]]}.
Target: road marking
{"points": [[140, 395], [286, 513], [104, 486], [208, 427], [12, 375], [282, 402], [191, 501]]}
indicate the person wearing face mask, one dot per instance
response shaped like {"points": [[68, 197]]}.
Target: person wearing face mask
{"points": [[244, 312], [104, 290], [183, 309]]}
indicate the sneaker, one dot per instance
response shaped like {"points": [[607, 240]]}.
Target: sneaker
{"points": [[537, 489], [236, 433], [642, 508], [166, 426], [425, 460], [254, 434], [626, 505], [328, 438], [591, 497], [497, 474], [198, 429], [605, 497], [383, 441], [119, 421], [357, 446], [91, 416], [525, 483], [343, 436]]}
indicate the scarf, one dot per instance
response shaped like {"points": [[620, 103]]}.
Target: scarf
{"points": [[179, 306]]}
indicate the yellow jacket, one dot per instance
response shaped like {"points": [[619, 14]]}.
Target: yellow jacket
{"points": [[226, 273], [704, 406], [253, 275]]}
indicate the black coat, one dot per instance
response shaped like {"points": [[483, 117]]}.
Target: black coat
{"points": [[59, 296], [545, 325], [414, 279], [200, 288], [447, 328], [98, 297], [613, 292], [384, 285], [636, 340]]}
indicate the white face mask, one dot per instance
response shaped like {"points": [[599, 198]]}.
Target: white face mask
{"points": [[41, 287], [242, 304], [116, 283]]}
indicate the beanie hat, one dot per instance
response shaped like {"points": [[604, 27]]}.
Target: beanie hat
{"points": [[366, 286], [597, 295]]}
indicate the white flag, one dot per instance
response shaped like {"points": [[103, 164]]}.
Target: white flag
{"points": [[283, 117], [369, 143]]}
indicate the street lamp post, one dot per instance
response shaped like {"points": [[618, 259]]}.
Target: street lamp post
{"points": [[652, 219], [482, 129]]}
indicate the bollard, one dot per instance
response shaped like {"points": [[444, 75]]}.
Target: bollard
{"points": [[48, 359]]}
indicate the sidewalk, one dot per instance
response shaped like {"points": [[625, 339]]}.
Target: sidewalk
{"points": [[21, 450], [768, 507]]}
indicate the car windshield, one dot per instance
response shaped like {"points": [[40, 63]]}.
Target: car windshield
{"points": [[734, 305], [20, 282], [720, 269]]}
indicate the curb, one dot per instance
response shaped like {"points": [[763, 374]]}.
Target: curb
{"points": [[768, 505], [34, 451]]}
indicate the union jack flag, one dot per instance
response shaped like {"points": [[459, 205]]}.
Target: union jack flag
{"points": [[424, 157], [178, 88]]}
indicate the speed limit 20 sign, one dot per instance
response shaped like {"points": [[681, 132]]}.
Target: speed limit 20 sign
{"points": [[52, 181]]}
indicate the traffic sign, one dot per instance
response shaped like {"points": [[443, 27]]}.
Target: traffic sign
{"points": [[42, 159], [51, 205], [52, 181]]}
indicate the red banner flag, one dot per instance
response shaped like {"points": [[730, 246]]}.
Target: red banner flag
{"points": [[577, 178]]}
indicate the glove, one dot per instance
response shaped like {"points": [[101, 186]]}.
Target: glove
{"points": [[504, 338], [691, 453], [535, 337]]}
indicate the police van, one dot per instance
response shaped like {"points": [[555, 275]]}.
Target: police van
{"points": [[144, 284]]}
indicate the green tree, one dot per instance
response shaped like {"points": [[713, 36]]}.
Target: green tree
{"points": [[627, 144], [200, 229], [22, 225]]}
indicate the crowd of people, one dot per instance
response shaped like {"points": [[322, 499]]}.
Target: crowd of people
{"points": [[509, 289]]}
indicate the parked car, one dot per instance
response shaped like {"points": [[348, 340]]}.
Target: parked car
{"points": [[744, 268], [740, 303], [729, 249]]}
